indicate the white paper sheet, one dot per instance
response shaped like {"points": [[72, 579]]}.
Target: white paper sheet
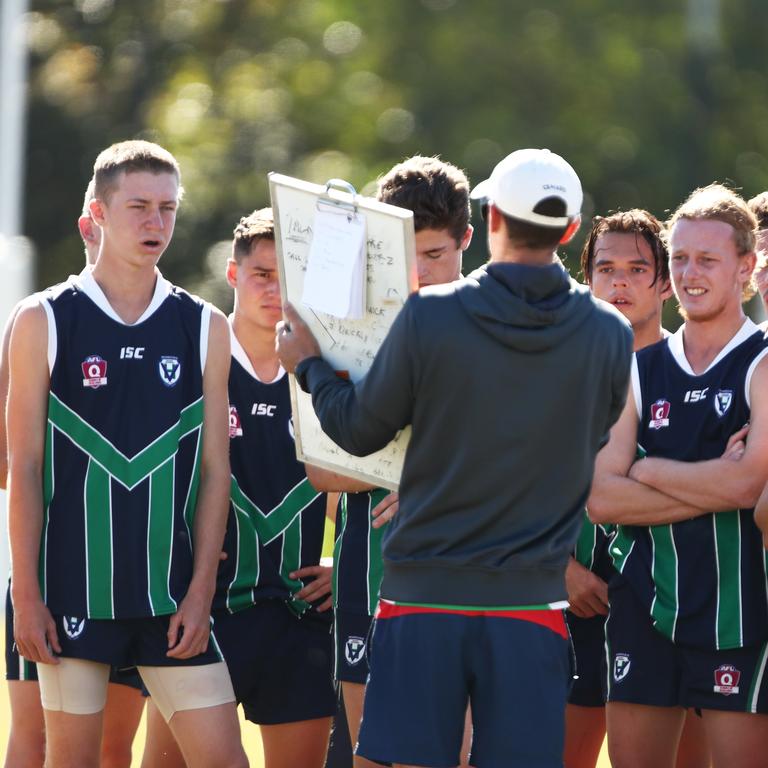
{"points": [[335, 279]]}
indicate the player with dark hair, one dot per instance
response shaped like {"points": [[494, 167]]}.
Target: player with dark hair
{"points": [[474, 562], [688, 621], [438, 194]]}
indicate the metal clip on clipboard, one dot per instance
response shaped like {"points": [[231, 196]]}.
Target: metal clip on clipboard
{"points": [[333, 203]]}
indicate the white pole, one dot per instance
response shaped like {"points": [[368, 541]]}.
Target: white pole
{"points": [[16, 258]]}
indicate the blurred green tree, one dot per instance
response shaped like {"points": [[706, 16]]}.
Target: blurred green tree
{"points": [[646, 100]]}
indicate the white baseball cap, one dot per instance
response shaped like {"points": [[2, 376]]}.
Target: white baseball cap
{"points": [[527, 177]]}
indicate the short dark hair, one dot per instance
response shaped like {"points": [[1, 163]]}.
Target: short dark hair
{"points": [[759, 206], [534, 236], [259, 225], [637, 222], [131, 157], [437, 193]]}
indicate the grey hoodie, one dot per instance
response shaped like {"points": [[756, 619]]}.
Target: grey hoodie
{"points": [[511, 379]]}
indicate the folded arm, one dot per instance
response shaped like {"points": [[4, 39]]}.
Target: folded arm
{"points": [[617, 498], [719, 484]]}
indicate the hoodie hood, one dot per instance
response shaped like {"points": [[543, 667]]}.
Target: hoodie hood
{"points": [[525, 307]]}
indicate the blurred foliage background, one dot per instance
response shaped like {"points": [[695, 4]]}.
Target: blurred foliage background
{"points": [[646, 100]]}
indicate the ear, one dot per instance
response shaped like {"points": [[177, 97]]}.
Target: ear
{"points": [[573, 228], [96, 207], [467, 239], [495, 218], [87, 228], [231, 272], [747, 264], [666, 290]]}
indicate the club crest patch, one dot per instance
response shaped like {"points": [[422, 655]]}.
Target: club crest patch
{"points": [[621, 666], [235, 427], [73, 627], [354, 649], [722, 401], [659, 414], [169, 368], [726, 679], [94, 371]]}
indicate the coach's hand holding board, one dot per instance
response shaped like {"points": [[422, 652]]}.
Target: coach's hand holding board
{"points": [[295, 342]]}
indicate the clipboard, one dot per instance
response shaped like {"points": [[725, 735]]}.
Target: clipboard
{"points": [[349, 345]]}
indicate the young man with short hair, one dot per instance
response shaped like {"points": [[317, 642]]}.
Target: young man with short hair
{"points": [[117, 433], [688, 622], [624, 261], [271, 605], [26, 740], [490, 497]]}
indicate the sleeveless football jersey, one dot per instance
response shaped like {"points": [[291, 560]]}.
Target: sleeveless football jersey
{"points": [[276, 518], [702, 580], [122, 451], [357, 562]]}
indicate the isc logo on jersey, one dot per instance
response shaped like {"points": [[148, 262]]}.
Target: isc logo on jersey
{"points": [[94, 371], [263, 409], [169, 369], [659, 414], [235, 427]]}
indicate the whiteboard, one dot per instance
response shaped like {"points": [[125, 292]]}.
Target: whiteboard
{"points": [[348, 345]]}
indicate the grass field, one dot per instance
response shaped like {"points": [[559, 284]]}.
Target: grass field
{"points": [[250, 734]]}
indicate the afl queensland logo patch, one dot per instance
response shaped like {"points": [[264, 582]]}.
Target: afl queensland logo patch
{"points": [[169, 368], [659, 414], [722, 401], [94, 371], [726, 680], [235, 426], [354, 649], [73, 627]]}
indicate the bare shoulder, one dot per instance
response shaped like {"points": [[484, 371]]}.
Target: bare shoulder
{"points": [[30, 321], [219, 351]]}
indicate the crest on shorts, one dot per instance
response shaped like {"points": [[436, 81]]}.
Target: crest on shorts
{"points": [[726, 679], [621, 665], [354, 649], [94, 371], [659, 414], [722, 401], [235, 426], [73, 627], [169, 368]]}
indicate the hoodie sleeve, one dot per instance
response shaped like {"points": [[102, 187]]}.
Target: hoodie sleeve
{"points": [[619, 372], [364, 417]]}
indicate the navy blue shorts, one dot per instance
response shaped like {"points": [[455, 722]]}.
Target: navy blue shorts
{"points": [[281, 664], [426, 668], [352, 634], [18, 668], [125, 643], [647, 668], [588, 638]]}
